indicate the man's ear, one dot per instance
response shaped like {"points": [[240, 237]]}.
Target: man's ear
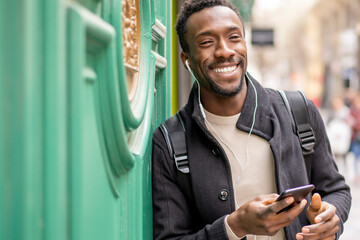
{"points": [[184, 56]]}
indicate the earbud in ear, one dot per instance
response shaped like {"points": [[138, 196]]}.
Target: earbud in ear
{"points": [[187, 65], [191, 72]]}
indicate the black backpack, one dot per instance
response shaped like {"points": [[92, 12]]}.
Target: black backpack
{"points": [[174, 130]]}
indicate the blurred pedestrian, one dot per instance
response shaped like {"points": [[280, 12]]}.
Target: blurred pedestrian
{"points": [[355, 124], [339, 132]]}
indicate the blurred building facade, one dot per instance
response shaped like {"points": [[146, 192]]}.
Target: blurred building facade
{"points": [[334, 28], [316, 46]]}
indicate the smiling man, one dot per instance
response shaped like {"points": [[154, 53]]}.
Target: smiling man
{"points": [[241, 149]]}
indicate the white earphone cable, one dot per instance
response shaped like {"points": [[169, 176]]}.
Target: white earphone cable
{"points": [[247, 141], [220, 138]]}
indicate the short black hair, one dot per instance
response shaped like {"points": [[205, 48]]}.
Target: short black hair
{"points": [[193, 6]]}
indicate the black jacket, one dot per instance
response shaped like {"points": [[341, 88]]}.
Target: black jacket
{"points": [[200, 213]]}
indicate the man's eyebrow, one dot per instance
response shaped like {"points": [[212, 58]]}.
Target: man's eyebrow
{"points": [[234, 28], [210, 32]]}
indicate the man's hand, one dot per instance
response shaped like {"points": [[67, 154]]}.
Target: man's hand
{"points": [[323, 219], [259, 216]]}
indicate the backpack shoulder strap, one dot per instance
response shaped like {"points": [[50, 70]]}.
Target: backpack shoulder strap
{"points": [[296, 104], [174, 132]]}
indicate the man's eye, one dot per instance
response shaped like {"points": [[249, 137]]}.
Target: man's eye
{"points": [[235, 37], [205, 43]]}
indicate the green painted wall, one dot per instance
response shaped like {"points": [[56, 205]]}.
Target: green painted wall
{"points": [[74, 151]]}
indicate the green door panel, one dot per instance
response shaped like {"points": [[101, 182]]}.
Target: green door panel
{"points": [[78, 111], [32, 103]]}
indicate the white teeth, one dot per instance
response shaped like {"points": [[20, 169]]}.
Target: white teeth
{"points": [[225, 70]]}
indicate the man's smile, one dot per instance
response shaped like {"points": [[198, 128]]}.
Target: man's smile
{"points": [[228, 69]]}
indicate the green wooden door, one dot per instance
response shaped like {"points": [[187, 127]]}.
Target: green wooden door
{"points": [[83, 84]]}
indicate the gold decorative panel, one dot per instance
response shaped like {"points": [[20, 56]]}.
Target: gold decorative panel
{"points": [[131, 41]]}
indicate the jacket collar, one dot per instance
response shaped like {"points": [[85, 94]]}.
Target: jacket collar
{"points": [[261, 127]]}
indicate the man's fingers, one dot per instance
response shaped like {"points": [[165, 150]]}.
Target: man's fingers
{"points": [[323, 230], [294, 211], [326, 226], [269, 199], [285, 218], [274, 222], [320, 235], [315, 204], [327, 214], [275, 207]]}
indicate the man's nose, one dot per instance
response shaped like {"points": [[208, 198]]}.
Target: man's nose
{"points": [[223, 49]]}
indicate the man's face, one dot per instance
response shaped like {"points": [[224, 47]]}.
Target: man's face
{"points": [[217, 50]]}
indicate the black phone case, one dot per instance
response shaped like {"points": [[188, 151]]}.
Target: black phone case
{"points": [[298, 193]]}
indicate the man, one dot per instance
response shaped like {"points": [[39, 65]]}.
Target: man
{"points": [[241, 148]]}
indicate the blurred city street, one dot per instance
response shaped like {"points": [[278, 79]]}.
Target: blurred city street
{"points": [[352, 229], [352, 226]]}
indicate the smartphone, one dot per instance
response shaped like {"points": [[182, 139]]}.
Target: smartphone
{"points": [[298, 193]]}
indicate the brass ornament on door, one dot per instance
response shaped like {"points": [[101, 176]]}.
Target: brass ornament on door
{"points": [[131, 43]]}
